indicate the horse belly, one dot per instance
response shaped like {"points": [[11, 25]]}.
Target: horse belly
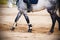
{"points": [[39, 6], [42, 4]]}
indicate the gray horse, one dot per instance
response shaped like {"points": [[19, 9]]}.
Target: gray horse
{"points": [[51, 5]]}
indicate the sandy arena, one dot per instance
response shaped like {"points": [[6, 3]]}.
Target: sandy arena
{"points": [[41, 22]]}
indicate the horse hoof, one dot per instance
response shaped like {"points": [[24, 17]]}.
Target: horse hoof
{"points": [[30, 30], [12, 28], [49, 33], [59, 29]]}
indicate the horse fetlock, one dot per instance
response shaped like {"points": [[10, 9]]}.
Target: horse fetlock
{"points": [[29, 30], [15, 24], [51, 31], [30, 25], [12, 28]]}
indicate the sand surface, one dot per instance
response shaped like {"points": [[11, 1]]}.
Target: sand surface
{"points": [[41, 22]]}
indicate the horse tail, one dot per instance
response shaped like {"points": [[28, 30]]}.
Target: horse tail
{"points": [[58, 6]]}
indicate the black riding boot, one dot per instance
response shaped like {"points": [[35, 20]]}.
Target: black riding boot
{"points": [[17, 1], [29, 8]]}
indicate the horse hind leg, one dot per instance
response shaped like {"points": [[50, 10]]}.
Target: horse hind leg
{"points": [[58, 19], [53, 17], [28, 22], [16, 19]]}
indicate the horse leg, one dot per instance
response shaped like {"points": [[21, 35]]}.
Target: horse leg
{"points": [[10, 5], [58, 19], [28, 22], [53, 17], [16, 19]]}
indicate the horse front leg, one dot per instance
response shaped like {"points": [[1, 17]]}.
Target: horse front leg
{"points": [[16, 19], [28, 22], [53, 17], [10, 5]]}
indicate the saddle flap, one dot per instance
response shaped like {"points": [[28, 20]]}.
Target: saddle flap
{"points": [[31, 1]]}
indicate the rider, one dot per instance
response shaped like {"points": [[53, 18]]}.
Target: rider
{"points": [[29, 8]]}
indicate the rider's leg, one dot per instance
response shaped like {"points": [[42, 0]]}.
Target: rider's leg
{"points": [[29, 8], [17, 1]]}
